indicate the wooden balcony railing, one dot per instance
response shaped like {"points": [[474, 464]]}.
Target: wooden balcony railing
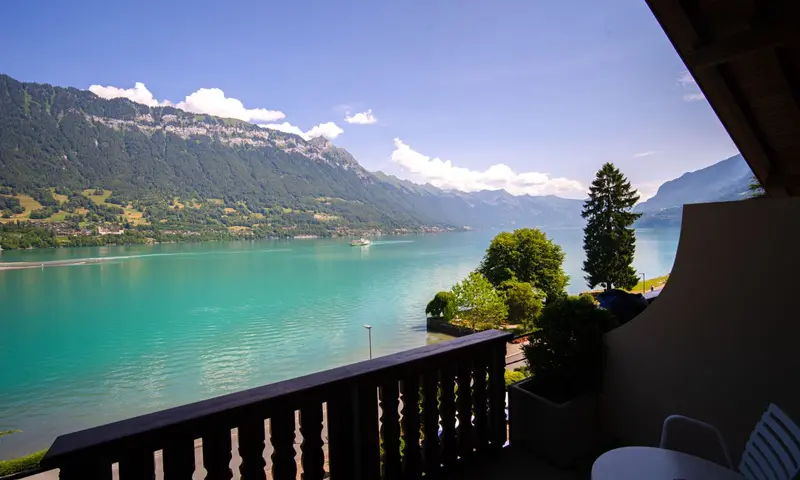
{"points": [[383, 421]]}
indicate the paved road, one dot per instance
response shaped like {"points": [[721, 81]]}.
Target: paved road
{"points": [[514, 356]]}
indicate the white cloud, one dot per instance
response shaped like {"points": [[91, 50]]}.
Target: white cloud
{"points": [[139, 93], [686, 81], [328, 130], [647, 190], [444, 174], [211, 101], [363, 118], [646, 154], [285, 127]]}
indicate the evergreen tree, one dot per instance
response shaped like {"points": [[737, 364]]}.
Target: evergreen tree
{"points": [[608, 237]]}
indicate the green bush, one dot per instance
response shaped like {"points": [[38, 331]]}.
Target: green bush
{"points": [[566, 352], [514, 377], [443, 305], [523, 302], [479, 304], [20, 464]]}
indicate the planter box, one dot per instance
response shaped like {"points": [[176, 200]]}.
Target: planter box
{"points": [[559, 433]]}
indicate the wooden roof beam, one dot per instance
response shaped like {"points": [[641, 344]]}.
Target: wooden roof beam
{"points": [[729, 48]]}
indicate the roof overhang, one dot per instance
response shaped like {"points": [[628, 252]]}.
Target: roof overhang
{"points": [[745, 57]]}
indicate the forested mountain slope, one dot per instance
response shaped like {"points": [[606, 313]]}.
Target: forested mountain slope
{"points": [[70, 139]]}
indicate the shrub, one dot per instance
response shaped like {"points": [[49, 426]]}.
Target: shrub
{"points": [[20, 464], [513, 377], [523, 303], [566, 352], [443, 305]]}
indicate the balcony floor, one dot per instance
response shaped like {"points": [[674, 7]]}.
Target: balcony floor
{"points": [[511, 464], [514, 464]]}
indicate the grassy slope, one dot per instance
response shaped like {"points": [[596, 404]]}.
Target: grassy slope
{"points": [[132, 215], [28, 202], [656, 282]]}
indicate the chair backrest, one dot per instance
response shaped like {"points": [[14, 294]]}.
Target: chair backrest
{"points": [[773, 450]]}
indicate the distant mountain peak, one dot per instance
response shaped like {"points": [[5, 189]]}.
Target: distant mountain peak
{"points": [[726, 180]]}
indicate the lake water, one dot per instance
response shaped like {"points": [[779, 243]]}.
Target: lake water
{"points": [[158, 326]]}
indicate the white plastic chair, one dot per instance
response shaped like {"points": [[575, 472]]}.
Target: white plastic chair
{"points": [[772, 452]]}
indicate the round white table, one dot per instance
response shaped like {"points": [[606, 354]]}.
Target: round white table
{"points": [[656, 463]]}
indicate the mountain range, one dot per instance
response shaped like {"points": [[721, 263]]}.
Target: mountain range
{"points": [[153, 161], [724, 181]]}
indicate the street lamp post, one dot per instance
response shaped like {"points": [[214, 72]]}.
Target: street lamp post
{"points": [[369, 332], [644, 282]]}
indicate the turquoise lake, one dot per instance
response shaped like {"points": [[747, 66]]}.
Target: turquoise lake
{"points": [[157, 326]]}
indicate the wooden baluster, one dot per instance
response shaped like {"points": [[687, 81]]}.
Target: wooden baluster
{"points": [[367, 435], [217, 454], [251, 450], [464, 405], [448, 413], [497, 395], [430, 422], [179, 460], [341, 435], [390, 430], [284, 466], [481, 410], [412, 461], [312, 457], [137, 465]]}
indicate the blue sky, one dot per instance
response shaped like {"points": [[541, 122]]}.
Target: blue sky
{"points": [[532, 96]]}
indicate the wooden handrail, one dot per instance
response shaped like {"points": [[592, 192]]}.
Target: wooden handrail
{"points": [[340, 387]]}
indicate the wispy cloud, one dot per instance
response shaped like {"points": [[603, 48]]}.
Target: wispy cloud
{"points": [[693, 97], [362, 118], [646, 154], [687, 82], [444, 174]]}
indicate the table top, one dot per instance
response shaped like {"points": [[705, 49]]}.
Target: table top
{"points": [[656, 463]]}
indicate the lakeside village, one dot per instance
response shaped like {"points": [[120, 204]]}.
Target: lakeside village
{"points": [[54, 217]]}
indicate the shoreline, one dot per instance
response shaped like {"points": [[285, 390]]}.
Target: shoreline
{"points": [[49, 263]]}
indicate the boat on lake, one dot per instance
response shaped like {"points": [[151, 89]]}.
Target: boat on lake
{"points": [[361, 242]]}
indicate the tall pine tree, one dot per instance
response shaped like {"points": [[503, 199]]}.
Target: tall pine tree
{"points": [[608, 238]]}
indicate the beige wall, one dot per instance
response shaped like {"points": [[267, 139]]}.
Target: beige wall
{"points": [[723, 339]]}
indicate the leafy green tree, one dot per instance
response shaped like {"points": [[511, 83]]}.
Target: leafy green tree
{"points": [[479, 304], [523, 302], [443, 305], [526, 255], [608, 237]]}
